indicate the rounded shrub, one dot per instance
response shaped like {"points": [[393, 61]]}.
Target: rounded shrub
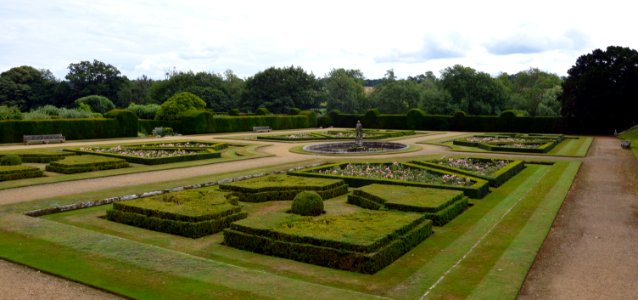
{"points": [[234, 112], [294, 111], [262, 111], [307, 203], [10, 160], [460, 114], [99, 104], [179, 103]]}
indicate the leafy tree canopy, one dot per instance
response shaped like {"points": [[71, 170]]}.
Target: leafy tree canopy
{"points": [[27, 87], [178, 104], [344, 90], [98, 104], [94, 78], [600, 93], [476, 93]]}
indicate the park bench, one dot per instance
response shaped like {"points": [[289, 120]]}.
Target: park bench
{"points": [[43, 138], [262, 129], [625, 144]]}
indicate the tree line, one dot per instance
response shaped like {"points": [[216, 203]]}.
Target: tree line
{"points": [[602, 82]]}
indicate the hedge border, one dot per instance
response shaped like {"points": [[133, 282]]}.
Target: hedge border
{"points": [[155, 161], [289, 194], [25, 172], [58, 167], [127, 207], [333, 257], [496, 179], [478, 190], [187, 229]]}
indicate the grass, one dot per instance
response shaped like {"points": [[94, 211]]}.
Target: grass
{"points": [[431, 199], [571, 146], [498, 236]]}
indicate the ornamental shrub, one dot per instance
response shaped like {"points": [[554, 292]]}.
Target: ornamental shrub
{"points": [[234, 112], [294, 111], [10, 160], [307, 203], [10, 113], [98, 104], [147, 111], [179, 103], [262, 111]]}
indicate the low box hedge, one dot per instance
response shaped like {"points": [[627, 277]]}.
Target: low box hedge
{"points": [[477, 190], [85, 163], [381, 240], [496, 179], [283, 187], [440, 206], [18, 172], [187, 229], [155, 161], [191, 213], [188, 145]]}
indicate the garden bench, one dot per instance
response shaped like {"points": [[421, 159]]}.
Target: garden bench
{"points": [[262, 129], [43, 138], [625, 144]]}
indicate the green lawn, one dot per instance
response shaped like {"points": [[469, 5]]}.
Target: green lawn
{"points": [[483, 253], [571, 146]]}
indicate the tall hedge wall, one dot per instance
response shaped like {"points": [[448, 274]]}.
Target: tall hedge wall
{"points": [[121, 124], [417, 119], [205, 122]]}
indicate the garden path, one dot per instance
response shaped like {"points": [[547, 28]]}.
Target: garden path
{"points": [[590, 252]]}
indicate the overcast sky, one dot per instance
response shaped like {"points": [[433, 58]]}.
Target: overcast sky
{"points": [[411, 37]]}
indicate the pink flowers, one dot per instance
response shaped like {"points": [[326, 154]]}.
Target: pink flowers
{"points": [[482, 166], [143, 153]]}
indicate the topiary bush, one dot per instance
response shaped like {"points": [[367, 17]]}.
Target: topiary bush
{"points": [[98, 104], [10, 160], [294, 111], [179, 103], [234, 112], [147, 111], [262, 111], [307, 203]]}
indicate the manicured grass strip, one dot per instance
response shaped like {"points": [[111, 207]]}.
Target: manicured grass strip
{"points": [[105, 248], [577, 147], [464, 279], [475, 223], [516, 261]]}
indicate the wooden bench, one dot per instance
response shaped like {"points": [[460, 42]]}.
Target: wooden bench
{"points": [[43, 138], [262, 129]]}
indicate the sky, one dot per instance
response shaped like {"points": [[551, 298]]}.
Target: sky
{"points": [[151, 38]]}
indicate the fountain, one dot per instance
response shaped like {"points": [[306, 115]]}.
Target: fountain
{"points": [[358, 146]]}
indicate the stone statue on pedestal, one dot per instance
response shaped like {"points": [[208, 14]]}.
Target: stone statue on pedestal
{"points": [[359, 134]]}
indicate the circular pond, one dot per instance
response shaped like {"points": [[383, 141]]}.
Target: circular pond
{"points": [[352, 147]]}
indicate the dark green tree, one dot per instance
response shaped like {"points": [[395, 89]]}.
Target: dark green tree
{"points": [[476, 93], [180, 103], [600, 94], [396, 96], [434, 98], [531, 88], [27, 87], [98, 104], [136, 91], [344, 90], [94, 78], [281, 89], [220, 92]]}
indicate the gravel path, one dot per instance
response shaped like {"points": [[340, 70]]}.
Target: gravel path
{"points": [[590, 252]]}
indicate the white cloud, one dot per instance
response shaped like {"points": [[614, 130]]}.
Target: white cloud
{"points": [[411, 37]]}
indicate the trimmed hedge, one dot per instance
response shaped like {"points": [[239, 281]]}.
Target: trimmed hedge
{"points": [[85, 163], [205, 122], [44, 157], [478, 190], [155, 161], [307, 203], [368, 258], [496, 179], [441, 208], [18, 172], [187, 229]]}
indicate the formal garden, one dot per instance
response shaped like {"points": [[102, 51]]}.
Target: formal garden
{"points": [[436, 225]]}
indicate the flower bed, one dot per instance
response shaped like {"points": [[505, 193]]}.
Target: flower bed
{"points": [[527, 143], [86, 163], [303, 136], [283, 187], [192, 213], [360, 174], [190, 145], [149, 156], [496, 171], [337, 135], [440, 206], [18, 172], [364, 241]]}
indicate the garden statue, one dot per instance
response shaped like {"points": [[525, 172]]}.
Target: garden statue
{"points": [[359, 134]]}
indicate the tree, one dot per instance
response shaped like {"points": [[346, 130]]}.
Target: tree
{"points": [[344, 90], [220, 92], [476, 93], [434, 98], [530, 88], [136, 91], [27, 87], [600, 93], [396, 96], [94, 78], [281, 89], [172, 108]]}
